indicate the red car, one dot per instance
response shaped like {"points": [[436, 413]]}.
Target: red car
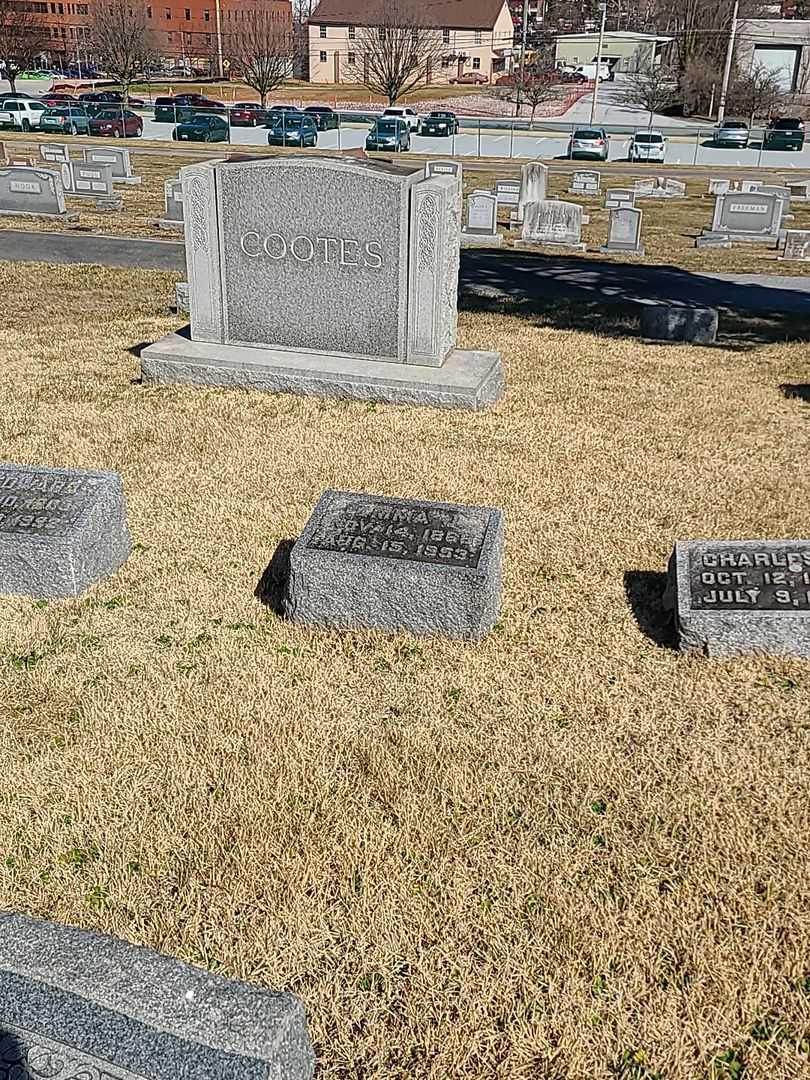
{"points": [[247, 112], [58, 99], [471, 78], [119, 123]]}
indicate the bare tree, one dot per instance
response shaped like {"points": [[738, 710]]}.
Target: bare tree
{"points": [[756, 93], [534, 89], [22, 39], [399, 52], [654, 89], [121, 36], [700, 84], [261, 51]]}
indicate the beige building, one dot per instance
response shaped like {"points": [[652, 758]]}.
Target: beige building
{"points": [[622, 49], [782, 46], [473, 38]]}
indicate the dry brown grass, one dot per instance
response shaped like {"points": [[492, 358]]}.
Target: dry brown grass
{"points": [[566, 852]]}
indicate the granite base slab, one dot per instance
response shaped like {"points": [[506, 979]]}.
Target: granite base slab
{"points": [[529, 244], [467, 379], [620, 249], [171, 225], [469, 240], [68, 216]]}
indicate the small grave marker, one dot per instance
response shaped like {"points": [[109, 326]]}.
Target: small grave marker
{"points": [[624, 231], [586, 182], [507, 192], [398, 564], [615, 197], [443, 168], [173, 205], [55, 153], [796, 246], [482, 221]]}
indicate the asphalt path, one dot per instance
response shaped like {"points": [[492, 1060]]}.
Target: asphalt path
{"points": [[488, 273]]}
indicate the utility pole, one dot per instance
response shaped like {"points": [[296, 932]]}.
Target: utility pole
{"points": [[522, 56], [598, 63], [220, 65], [721, 108]]}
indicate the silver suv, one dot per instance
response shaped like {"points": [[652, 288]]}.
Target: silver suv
{"points": [[732, 133]]}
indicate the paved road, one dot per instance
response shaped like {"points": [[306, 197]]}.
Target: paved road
{"points": [[494, 273]]}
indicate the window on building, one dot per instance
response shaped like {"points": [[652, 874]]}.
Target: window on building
{"points": [[187, 14], [149, 13], [322, 57], [351, 59], [168, 12], [322, 31], [476, 63], [61, 9], [351, 33], [207, 16], [445, 62], [477, 37], [83, 9], [445, 37], [381, 33]]}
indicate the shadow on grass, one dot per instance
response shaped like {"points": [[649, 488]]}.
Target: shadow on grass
{"points": [[13, 1055], [645, 590], [272, 587], [796, 390]]}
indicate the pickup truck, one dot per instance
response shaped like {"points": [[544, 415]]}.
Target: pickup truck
{"points": [[785, 134]]}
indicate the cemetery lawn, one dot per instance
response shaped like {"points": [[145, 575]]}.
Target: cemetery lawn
{"points": [[565, 852]]}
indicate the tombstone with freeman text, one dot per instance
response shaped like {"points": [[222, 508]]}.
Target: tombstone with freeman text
{"points": [[61, 530], [552, 222], [444, 168], [586, 182], [744, 216], [77, 1005], [30, 191], [117, 157], [54, 153], [615, 197], [624, 231], [796, 245], [173, 205], [507, 192], [533, 188], [398, 564], [741, 597], [481, 228], [372, 247]]}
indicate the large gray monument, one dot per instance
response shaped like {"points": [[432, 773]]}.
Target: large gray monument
{"points": [[552, 221], [749, 216], [30, 191], [398, 564], [324, 276], [75, 1005], [117, 157]]}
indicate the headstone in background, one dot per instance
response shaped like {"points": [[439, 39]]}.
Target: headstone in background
{"points": [[109, 203], [173, 205], [507, 192], [181, 298], [481, 228], [373, 246], [54, 153], [25, 190], [552, 221], [782, 192], [755, 185], [76, 1005], [444, 168], [533, 187], [796, 245], [675, 322], [91, 181], [586, 182], [644, 189], [61, 530], [624, 231], [741, 597], [398, 564], [660, 188], [799, 190], [117, 157], [719, 187], [615, 197], [673, 189], [745, 216]]}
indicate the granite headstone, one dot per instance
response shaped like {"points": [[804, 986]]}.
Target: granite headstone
{"points": [[507, 192], [586, 182], [533, 188], [443, 168], [117, 157], [746, 216], [796, 245], [553, 221], [615, 197], [173, 205], [481, 227], [54, 153], [31, 191], [624, 231]]}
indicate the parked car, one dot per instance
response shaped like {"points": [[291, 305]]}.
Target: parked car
{"points": [[293, 129], [37, 75], [647, 146], [411, 118], [247, 113], [22, 114], [440, 123], [119, 123], [173, 110], [324, 117], [389, 133], [111, 97], [67, 119], [202, 127], [732, 133], [589, 143], [786, 133], [197, 101], [470, 78], [275, 112]]}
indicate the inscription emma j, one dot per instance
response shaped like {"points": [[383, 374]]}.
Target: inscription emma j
{"points": [[739, 580], [397, 531]]}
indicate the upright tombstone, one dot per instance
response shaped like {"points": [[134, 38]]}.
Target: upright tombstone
{"points": [[481, 229], [646, 188], [61, 530], [741, 597], [552, 222], [796, 245], [799, 190], [533, 188], [719, 186], [117, 157], [90, 181], [586, 182], [444, 168], [615, 197], [76, 1005], [332, 277], [624, 231], [29, 191], [54, 153], [744, 216], [782, 192], [173, 205], [398, 564], [507, 192]]}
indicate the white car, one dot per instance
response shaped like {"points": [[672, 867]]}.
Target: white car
{"points": [[22, 114], [647, 146], [411, 118]]}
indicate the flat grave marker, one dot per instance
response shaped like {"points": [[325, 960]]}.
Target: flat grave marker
{"points": [[61, 530], [741, 597], [398, 564]]}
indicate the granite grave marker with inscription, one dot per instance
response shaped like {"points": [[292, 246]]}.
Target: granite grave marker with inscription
{"points": [[375, 248], [796, 245], [61, 530], [741, 597], [76, 1005], [440, 167], [624, 231], [615, 197], [55, 153], [398, 564], [173, 206], [117, 157], [744, 216], [553, 221], [481, 228], [31, 191], [586, 182], [507, 192]]}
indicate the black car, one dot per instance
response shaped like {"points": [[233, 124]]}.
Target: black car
{"points": [[110, 97], [202, 128], [784, 134], [440, 123], [275, 113], [324, 117]]}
